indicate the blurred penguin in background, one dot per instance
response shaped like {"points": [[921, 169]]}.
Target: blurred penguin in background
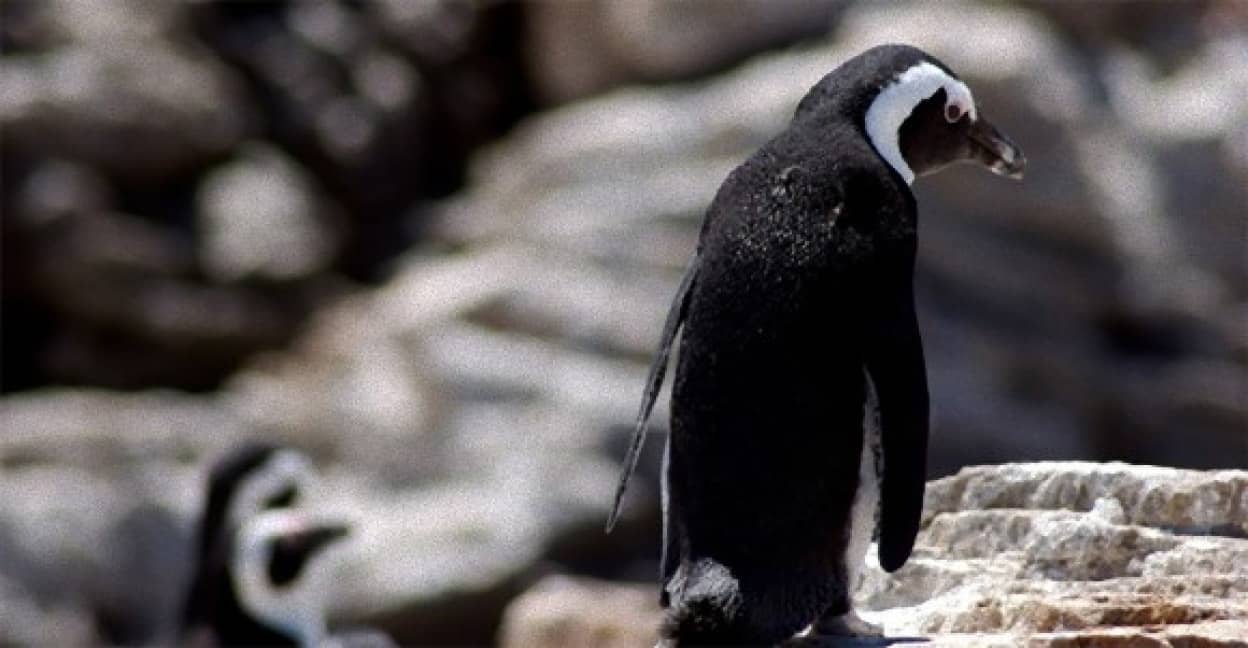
{"points": [[248, 480], [282, 567]]}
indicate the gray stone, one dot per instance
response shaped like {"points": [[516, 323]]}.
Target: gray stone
{"points": [[130, 309], [577, 49], [109, 432], [25, 622], [94, 550], [1168, 498], [575, 613], [261, 216], [137, 107], [1027, 548]]}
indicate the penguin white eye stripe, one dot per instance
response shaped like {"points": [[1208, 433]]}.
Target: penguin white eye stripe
{"points": [[284, 469], [895, 103]]}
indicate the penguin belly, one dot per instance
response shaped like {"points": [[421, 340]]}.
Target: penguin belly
{"points": [[864, 516], [863, 522]]}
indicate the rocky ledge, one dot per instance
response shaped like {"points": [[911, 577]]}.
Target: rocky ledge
{"points": [[1037, 555]]}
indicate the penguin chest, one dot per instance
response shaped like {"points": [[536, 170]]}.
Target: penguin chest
{"points": [[863, 515]]}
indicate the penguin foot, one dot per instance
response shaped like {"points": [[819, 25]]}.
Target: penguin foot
{"points": [[846, 625]]}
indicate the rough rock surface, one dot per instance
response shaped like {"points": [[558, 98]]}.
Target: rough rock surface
{"points": [[1043, 554]]}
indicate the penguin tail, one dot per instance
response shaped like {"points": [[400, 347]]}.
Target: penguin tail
{"points": [[697, 623], [704, 607]]}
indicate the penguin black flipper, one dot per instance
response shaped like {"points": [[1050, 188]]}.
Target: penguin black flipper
{"points": [[896, 368], [654, 382]]}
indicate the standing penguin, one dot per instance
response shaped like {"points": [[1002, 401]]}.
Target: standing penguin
{"points": [[800, 408]]}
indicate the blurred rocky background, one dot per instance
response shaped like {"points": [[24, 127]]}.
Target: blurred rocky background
{"points": [[432, 242]]}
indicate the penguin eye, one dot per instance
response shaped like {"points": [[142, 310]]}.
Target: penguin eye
{"points": [[282, 499], [953, 113]]}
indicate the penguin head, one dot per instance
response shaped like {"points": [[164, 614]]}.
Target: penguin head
{"points": [[917, 114], [255, 477], [281, 566], [249, 479], [941, 131]]}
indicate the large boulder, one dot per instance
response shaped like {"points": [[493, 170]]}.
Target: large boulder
{"points": [[1059, 547], [111, 86]]}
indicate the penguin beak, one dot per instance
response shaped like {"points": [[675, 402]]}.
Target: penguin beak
{"points": [[313, 537], [994, 150], [284, 498]]}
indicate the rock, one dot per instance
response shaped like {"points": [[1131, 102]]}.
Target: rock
{"points": [[111, 299], [381, 102], [1008, 555], [96, 532], [24, 622], [578, 612], [437, 31], [1183, 501], [261, 216], [1023, 549], [578, 49], [125, 118], [118, 95], [58, 189], [110, 433], [84, 547]]}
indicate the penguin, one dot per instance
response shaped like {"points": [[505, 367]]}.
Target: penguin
{"points": [[249, 479], [282, 566], [799, 410]]}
